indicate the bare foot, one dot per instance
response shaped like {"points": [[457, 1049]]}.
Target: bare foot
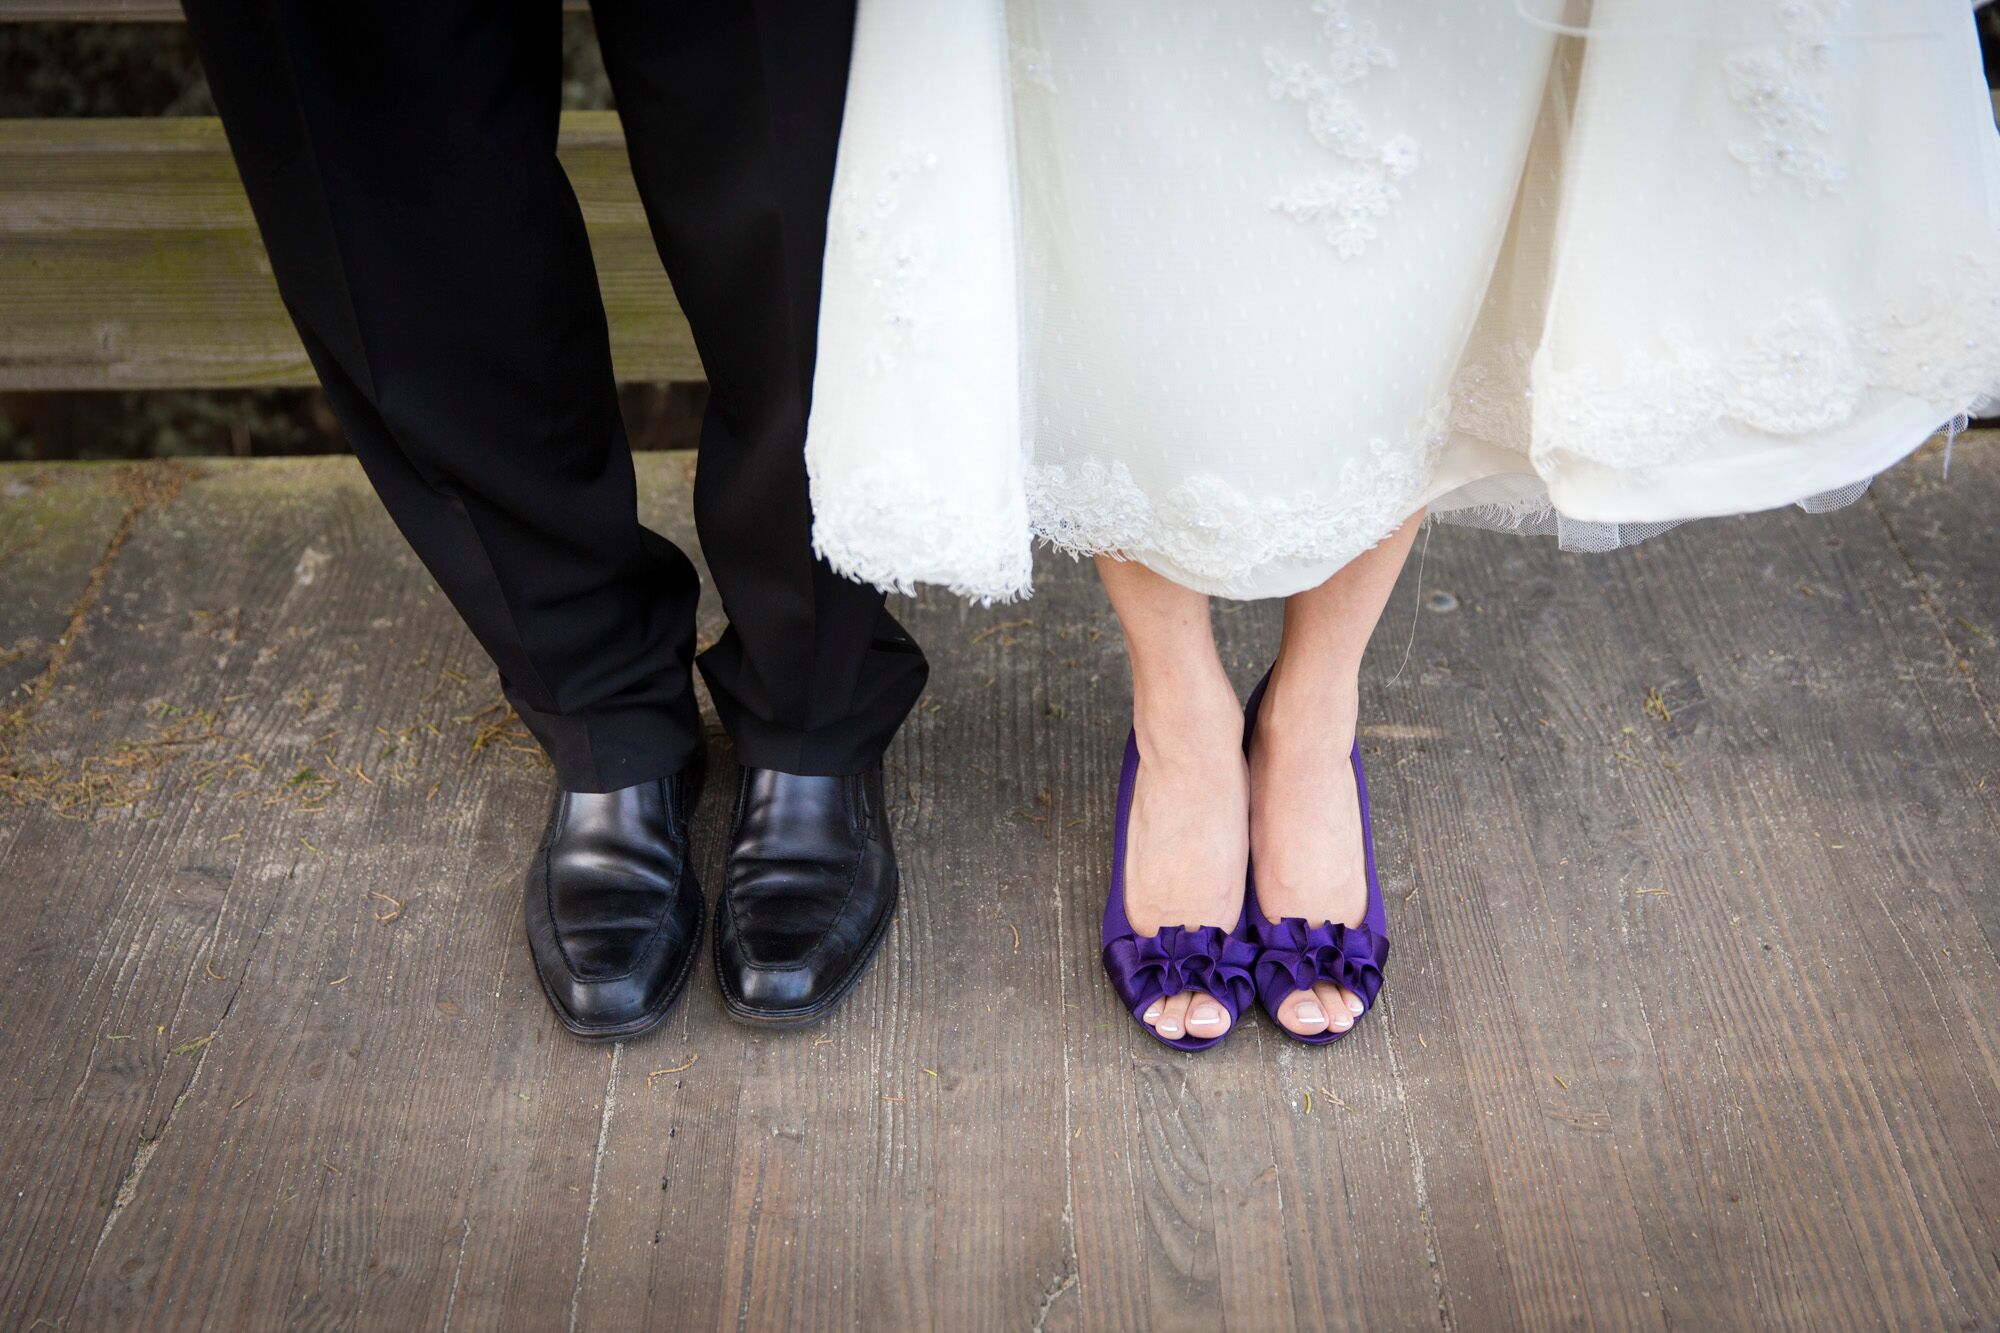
{"points": [[1188, 845], [1305, 829]]}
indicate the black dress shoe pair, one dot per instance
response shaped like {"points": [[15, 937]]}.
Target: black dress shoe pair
{"points": [[614, 909]]}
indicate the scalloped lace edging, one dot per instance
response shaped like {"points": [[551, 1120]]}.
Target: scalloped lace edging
{"points": [[875, 531], [1808, 369], [1217, 532]]}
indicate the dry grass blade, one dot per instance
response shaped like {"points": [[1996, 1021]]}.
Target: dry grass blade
{"points": [[672, 1069], [1001, 629]]}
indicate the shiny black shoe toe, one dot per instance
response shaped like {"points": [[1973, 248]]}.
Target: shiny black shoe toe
{"points": [[809, 891], [613, 908]]}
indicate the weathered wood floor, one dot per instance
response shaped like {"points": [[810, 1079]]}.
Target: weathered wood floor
{"points": [[1694, 1018]]}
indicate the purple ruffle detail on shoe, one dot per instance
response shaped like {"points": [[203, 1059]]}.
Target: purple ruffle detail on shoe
{"points": [[1208, 959], [1294, 955]]}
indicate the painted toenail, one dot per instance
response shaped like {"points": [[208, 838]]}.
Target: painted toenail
{"points": [[1205, 1019], [1170, 1027], [1343, 1023], [1311, 1013], [1354, 1005], [1153, 1012]]}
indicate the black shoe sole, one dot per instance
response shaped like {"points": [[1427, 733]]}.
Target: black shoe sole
{"points": [[825, 1004], [644, 1023]]}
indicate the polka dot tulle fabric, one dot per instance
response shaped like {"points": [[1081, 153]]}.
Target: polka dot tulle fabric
{"points": [[1234, 288]]}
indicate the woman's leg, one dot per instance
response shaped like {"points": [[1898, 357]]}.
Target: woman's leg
{"points": [[1305, 816], [1188, 844]]}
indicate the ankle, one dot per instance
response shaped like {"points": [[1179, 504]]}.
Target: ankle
{"points": [[1197, 723], [1311, 702]]}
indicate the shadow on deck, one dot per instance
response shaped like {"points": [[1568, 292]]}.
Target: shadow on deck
{"points": [[1691, 853]]}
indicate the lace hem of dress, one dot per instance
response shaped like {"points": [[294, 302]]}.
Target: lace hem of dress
{"points": [[1520, 505], [1808, 369], [1216, 532], [874, 528], [1806, 372]]}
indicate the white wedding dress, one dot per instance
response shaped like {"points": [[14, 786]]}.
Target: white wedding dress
{"points": [[1233, 287]]}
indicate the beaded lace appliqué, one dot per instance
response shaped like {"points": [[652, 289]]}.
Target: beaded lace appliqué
{"points": [[1783, 93], [893, 255], [1032, 63], [1345, 206]]}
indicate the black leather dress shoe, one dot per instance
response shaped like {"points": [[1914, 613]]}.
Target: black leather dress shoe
{"points": [[810, 887], [613, 910]]}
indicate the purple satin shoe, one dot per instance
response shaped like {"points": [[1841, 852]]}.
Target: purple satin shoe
{"points": [[1180, 958], [1291, 955]]}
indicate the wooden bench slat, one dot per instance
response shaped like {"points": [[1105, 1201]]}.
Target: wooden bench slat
{"points": [[129, 259], [117, 11], [90, 11]]}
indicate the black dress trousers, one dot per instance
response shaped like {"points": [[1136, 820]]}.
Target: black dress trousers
{"points": [[401, 161]]}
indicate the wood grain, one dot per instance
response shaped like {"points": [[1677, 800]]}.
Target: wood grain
{"points": [[129, 259], [122, 11], [55, 525], [1689, 1024]]}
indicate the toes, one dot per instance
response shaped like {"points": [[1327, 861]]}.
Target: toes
{"points": [[1304, 1012], [1206, 1017], [1173, 1017], [1151, 1017], [1342, 1008]]}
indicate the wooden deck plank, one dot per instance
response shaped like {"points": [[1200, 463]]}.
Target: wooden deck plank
{"points": [[1763, 1097], [1523, 1028], [349, 1154], [1937, 525], [1348, 1228], [1609, 1082], [1806, 672], [1641, 773], [1165, 1150], [55, 524]]}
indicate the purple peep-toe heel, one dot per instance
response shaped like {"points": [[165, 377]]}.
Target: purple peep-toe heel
{"points": [[1145, 968], [1291, 955]]}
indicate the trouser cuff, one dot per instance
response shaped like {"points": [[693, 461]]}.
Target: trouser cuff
{"points": [[610, 749], [852, 744]]}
